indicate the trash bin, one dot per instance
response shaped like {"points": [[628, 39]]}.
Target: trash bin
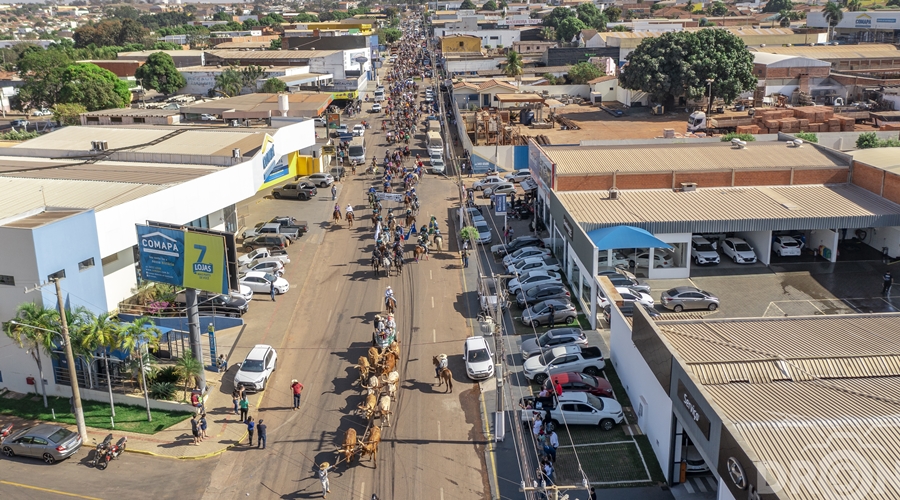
{"points": [[487, 326]]}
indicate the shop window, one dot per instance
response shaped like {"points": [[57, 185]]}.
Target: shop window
{"points": [[585, 293], [680, 254], [575, 279], [201, 222], [115, 119], [109, 259], [140, 119]]}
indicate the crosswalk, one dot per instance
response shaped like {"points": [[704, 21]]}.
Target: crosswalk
{"points": [[701, 484]]}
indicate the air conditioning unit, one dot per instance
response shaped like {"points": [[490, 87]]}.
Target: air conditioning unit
{"points": [[236, 153], [614, 194], [688, 186], [796, 143]]}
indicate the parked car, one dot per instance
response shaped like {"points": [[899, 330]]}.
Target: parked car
{"points": [[341, 130], [521, 266], [260, 282], [20, 123], [376, 108], [524, 253], [615, 271], [267, 240], [478, 358], [568, 358], [575, 408], [515, 244], [272, 266], [437, 165], [627, 309], [254, 372], [244, 292], [541, 293], [484, 232], [42, 112], [320, 121], [287, 221], [531, 279], [48, 442], [504, 188], [321, 179], [786, 246], [290, 232], [474, 214], [264, 253], [208, 118], [486, 182], [642, 259], [622, 280], [221, 305], [298, 191], [539, 314], [517, 176], [694, 461], [580, 382], [687, 297], [552, 338], [703, 252], [739, 251], [618, 260], [628, 295]]}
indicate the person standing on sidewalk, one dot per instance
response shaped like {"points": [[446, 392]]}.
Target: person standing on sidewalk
{"points": [[195, 429], [888, 282], [333, 192], [272, 290], [203, 427], [245, 407], [323, 477], [235, 398], [297, 389], [251, 426], [465, 258], [222, 364], [261, 441]]}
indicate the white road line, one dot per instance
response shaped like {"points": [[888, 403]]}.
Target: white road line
{"points": [[442, 493], [329, 314], [700, 485], [433, 336], [430, 277], [362, 490], [432, 302], [712, 482], [688, 487]]}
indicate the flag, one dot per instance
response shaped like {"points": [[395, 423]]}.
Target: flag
{"points": [[412, 229], [377, 231]]}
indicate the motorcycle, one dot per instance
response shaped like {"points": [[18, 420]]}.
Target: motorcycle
{"points": [[118, 448], [100, 453]]}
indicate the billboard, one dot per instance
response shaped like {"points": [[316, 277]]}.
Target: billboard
{"points": [[332, 120], [184, 259], [274, 167]]}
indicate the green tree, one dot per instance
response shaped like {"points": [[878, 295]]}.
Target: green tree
{"points": [[503, 4], [467, 5], [131, 31], [613, 13], [778, 6], [229, 82], [273, 86], [677, 64], [854, 5], [557, 15], [569, 28], [620, 27], [250, 24], [551, 78], [893, 3], [584, 72], [37, 339], [68, 114], [591, 16], [717, 9], [469, 233], [93, 87], [514, 65], [229, 26], [93, 333], [833, 15], [275, 44], [159, 73], [42, 77], [867, 140], [250, 75], [391, 35], [133, 338], [223, 16], [303, 17], [548, 33], [189, 369], [489, 5]]}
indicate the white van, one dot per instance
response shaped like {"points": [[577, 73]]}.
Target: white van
{"points": [[379, 95], [435, 143]]}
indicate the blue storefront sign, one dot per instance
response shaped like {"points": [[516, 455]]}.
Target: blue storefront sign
{"points": [[500, 204], [161, 254]]}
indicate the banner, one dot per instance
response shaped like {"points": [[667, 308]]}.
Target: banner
{"points": [[412, 229], [398, 197], [499, 204]]}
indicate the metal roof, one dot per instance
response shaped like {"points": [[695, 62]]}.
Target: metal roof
{"points": [[273, 55], [33, 194], [258, 102], [733, 209], [787, 61], [883, 158], [715, 156], [831, 52], [106, 171]]}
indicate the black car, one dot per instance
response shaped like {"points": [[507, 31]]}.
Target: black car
{"points": [[541, 293], [517, 243], [219, 305], [627, 309]]}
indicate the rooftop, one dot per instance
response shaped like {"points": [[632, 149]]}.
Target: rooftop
{"points": [[784, 60], [39, 219], [831, 52], [883, 158], [133, 112], [105, 171], [299, 103], [272, 55]]}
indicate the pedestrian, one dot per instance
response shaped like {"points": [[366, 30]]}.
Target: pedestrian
{"points": [[593, 494], [465, 258], [203, 427], [272, 290], [245, 407], [323, 477], [297, 389], [553, 441], [251, 426], [548, 471], [505, 232], [551, 310], [195, 429], [537, 427], [558, 388], [262, 437], [888, 282], [235, 398], [333, 192], [509, 233], [222, 363]]}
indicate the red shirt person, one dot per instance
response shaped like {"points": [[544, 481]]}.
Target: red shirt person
{"points": [[296, 388]]}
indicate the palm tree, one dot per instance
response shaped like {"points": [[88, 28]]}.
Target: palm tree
{"points": [[134, 335], [39, 338], [100, 332], [229, 82], [514, 66], [548, 33], [854, 5], [189, 369], [250, 74], [833, 14]]}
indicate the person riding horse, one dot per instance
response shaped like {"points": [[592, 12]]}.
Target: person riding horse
{"points": [[442, 363], [389, 295]]}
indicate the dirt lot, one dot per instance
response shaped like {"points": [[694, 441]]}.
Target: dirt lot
{"points": [[596, 124]]}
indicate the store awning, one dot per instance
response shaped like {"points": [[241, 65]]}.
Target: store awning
{"points": [[609, 238]]}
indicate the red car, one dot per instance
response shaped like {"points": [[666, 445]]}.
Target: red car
{"points": [[581, 382]]}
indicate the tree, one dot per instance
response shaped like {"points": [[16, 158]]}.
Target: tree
{"points": [[41, 72], [569, 28], [489, 5], [557, 15], [223, 16], [613, 13], [514, 65], [250, 24], [303, 17], [189, 369], [854, 5], [548, 33], [159, 73], [275, 44], [868, 140], [229, 82], [893, 3], [391, 35], [833, 14], [249, 76], [591, 16], [140, 332], [38, 339], [68, 114], [717, 9], [273, 86], [93, 87], [677, 64], [467, 5], [778, 5], [97, 332], [551, 78], [584, 72], [503, 4]]}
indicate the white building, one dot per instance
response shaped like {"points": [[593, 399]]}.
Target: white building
{"points": [[201, 79]]}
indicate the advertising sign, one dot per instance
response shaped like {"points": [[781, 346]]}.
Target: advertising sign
{"points": [[345, 95], [333, 120], [397, 197], [273, 166], [500, 204], [178, 258]]}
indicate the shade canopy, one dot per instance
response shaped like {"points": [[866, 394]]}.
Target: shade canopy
{"points": [[609, 238]]}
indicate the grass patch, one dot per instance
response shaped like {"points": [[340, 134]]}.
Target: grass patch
{"points": [[584, 434], [96, 414], [616, 463], [621, 396], [650, 457]]}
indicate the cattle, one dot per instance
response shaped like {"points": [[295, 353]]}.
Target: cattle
{"points": [[367, 409], [349, 447], [384, 410], [389, 384], [364, 367], [370, 445]]}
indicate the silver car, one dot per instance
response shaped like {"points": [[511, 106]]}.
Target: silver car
{"points": [[564, 313], [688, 297], [552, 338], [48, 442]]}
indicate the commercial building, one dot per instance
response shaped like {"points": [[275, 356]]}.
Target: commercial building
{"points": [[846, 57], [785, 74], [201, 80], [879, 26], [182, 58], [350, 68]]}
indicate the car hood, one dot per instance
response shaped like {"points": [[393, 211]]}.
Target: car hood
{"points": [[530, 346], [481, 366], [707, 254], [242, 376], [533, 364], [611, 405]]}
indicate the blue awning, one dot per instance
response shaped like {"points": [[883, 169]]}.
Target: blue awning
{"points": [[616, 237]]}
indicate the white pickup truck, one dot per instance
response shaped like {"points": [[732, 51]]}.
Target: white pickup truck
{"points": [[569, 358], [574, 408], [264, 254]]}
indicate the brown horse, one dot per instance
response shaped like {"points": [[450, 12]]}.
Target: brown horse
{"points": [[349, 219], [445, 375], [390, 304], [420, 251], [410, 220], [336, 216]]}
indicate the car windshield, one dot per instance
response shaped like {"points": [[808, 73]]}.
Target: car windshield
{"points": [[478, 355], [594, 401], [252, 365], [270, 277], [588, 380], [742, 247], [705, 247], [60, 435], [544, 339]]}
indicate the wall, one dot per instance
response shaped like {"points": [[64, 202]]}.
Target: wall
{"points": [[18, 261], [761, 241], [674, 272], [887, 237], [201, 81], [829, 239], [130, 120], [124, 399], [471, 66], [119, 277], [558, 90], [604, 91]]}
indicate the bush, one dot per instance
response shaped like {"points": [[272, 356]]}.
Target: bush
{"points": [[807, 136], [734, 135], [869, 140], [162, 390], [18, 136], [168, 375]]}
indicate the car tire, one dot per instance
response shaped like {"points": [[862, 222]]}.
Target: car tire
{"points": [[554, 423], [713, 307], [48, 459], [276, 195], [536, 324], [8, 451], [540, 378], [607, 424], [592, 370], [678, 308], [571, 320], [631, 264]]}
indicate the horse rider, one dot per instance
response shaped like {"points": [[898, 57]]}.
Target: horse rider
{"points": [[388, 294], [337, 208], [442, 363], [349, 209]]}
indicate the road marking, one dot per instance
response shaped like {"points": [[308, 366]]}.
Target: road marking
{"points": [[329, 314], [442, 493], [47, 490], [688, 487], [336, 285], [362, 490], [432, 302], [433, 336], [430, 277]]}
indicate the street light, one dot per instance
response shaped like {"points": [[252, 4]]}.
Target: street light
{"points": [[709, 82]]}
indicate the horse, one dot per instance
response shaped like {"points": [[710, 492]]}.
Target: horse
{"points": [[376, 264], [398, 265], [374, 219], [386, 264], [438, 242], [390, 303], [348, 449], [445, 375], [336, 216], [410, 220], [349, 219], [420, 251]]}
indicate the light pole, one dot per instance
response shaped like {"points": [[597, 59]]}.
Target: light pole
{"points": [[709, 82]]}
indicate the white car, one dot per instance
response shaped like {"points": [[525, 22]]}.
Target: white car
{"points": [[518, 176], [739, 251], [504, 188], [376, 108], [579, 408], [786, 246], [437, 165], [321, 179], [244, 292], [275, 267], [524, 265], [320, 121], [342, 129], [642, 259], [486, 182], [703, 252], [618, 260], [524, 253], [254, 372], [531, 279], [260, 282], [359, 130], [484, 232], [474, 214], [42, 112], [628, 295], [208, 118], [478, 357]]}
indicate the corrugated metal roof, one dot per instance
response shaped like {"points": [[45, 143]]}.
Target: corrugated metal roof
{"points": [[273, 55], [37, 193], [831, 52], [786, 61], [106, 171], [883, 158], [687, 157], [733, 209]]}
